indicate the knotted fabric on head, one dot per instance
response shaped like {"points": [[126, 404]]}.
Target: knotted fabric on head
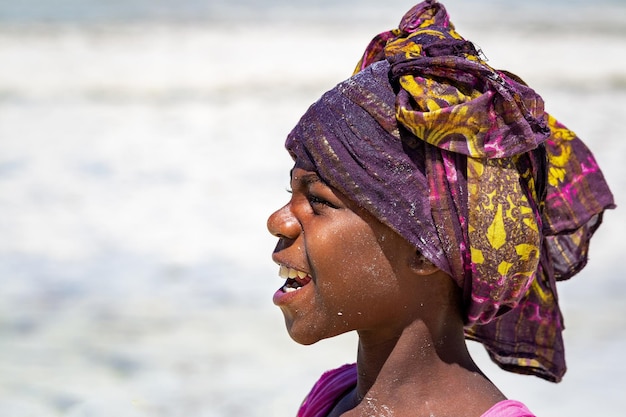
{"points": [[463, 162]]}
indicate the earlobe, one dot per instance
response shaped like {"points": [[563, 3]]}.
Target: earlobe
{"points": [[420, 265]]}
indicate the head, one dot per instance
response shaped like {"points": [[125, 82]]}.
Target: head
{"points": [[346, 270], [430, 145]]}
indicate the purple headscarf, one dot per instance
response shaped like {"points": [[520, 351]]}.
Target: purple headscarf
{"points": [[463, 162]]}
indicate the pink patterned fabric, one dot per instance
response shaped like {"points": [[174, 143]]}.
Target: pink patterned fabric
{"points": [[329, 389], [334, 384], [462, 161]]}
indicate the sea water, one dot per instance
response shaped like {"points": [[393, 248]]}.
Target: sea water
{"points": [[141, 153]]}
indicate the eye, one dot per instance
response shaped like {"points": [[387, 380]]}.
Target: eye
{"points": [[317, 201]]}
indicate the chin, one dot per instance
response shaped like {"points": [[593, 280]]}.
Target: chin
{"points": [[308, 336], [302, 333], [302, 338], [307, 329]]}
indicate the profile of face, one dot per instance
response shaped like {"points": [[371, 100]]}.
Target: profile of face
{"points": [[344, 269]]}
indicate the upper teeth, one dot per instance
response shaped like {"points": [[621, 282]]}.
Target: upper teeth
{"points": [[286, 272]]}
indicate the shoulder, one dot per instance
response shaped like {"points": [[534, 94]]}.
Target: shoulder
{"points": [[508, 408], [328, 390]]}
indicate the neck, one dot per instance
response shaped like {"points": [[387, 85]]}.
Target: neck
{"points": [[420, 363], [417, 354]]}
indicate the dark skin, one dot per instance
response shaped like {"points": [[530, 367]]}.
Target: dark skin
{"points": [[362, 276]]}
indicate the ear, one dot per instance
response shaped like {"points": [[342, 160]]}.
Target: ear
{"points": [[422, 266]]}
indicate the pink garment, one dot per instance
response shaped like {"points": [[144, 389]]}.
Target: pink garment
{"points": [[508, 408], [331, 386], [334, 384]]}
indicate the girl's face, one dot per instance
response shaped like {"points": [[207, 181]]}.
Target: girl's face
{"points": [[344, 270]]}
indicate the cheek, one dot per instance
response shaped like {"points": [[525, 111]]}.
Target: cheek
{"points": [[356, 266]]}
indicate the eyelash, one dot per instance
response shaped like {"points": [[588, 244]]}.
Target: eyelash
{"points": [[314, 199]]}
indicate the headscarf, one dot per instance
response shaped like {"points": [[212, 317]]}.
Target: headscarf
{"points": [[462, 161]]}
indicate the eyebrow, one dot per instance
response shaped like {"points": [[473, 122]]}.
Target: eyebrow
{"points": [[306, 179], [310, 179]]}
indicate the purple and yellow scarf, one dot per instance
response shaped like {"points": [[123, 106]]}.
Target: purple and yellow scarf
{"points": [[462, 161]]}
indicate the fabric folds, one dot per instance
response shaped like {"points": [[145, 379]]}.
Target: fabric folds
{"points": [[463, 161]]}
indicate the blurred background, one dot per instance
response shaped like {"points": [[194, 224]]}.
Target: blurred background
{"points": [[141, 153]]}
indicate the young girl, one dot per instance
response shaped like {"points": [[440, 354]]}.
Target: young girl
{"points": [[433, 200]]}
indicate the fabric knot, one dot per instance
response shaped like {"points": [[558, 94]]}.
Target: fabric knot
{"points": [[427, 13], [492, 189]]}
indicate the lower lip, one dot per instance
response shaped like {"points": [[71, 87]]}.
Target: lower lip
{"points": [[281, 298]]}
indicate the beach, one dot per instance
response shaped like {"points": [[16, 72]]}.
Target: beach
{"points": [[141, 152]]}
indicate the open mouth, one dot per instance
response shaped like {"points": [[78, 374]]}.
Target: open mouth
{"points": [[295, 279]]}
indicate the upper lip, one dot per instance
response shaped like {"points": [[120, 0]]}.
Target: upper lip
{"points": [[281, 259]]}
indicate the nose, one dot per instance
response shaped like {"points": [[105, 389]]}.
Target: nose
{"points": [[283, 224]]}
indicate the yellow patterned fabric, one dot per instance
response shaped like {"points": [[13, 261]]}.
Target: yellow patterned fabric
{"points": [[463, 161]]}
